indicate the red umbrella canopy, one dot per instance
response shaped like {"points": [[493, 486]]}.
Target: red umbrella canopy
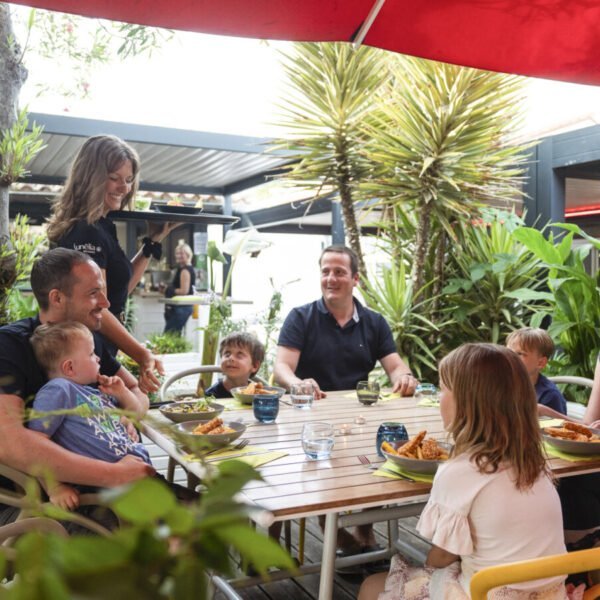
{"points": [[555, 39]]}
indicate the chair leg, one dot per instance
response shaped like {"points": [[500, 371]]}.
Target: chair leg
{"points": [[301, 539], [171, 470], [287, 534]]}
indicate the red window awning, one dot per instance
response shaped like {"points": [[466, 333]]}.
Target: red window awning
{"points": [[555, 39]]}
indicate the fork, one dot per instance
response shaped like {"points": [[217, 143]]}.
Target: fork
{"points": [[239, 446], [364, 460]]}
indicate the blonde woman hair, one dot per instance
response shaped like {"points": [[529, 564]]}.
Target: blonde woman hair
{"points": [[82, 198], [52, 342], [495, 411], [186, 250]]}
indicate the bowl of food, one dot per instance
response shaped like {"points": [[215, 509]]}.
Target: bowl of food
{"points": [[208, 433], [245, 394], [573, 438], [417, 455], [190, 408]]}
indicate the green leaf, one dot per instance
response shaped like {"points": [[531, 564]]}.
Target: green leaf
{"points": [[144, 502]]}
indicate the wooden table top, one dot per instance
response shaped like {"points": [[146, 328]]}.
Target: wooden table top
{"points": [[295, 486]]}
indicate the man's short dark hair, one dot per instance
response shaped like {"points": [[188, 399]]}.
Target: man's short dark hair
{"points": [[52, 271], [247, 341], [340, 249]]}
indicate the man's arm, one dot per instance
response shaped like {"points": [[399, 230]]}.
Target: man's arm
{"points": [[286, 363], [399, 373], [24, 450]]}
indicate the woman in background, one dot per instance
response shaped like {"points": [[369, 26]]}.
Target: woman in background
{"points": [[104, 177], [176, 316]]}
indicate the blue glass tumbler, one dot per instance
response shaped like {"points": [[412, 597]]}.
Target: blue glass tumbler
{"points": [[390, 432], [265, 407]]}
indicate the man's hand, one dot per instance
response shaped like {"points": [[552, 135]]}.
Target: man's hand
{"points": [[149, 382], [64, 496], [129, 468], [405, 384], [319, 395]]}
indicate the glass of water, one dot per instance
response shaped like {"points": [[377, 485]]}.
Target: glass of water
{"points": [[427, 391], [317, 440], [367, 392], [302, 394]]}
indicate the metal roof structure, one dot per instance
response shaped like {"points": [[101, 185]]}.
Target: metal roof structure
{"points": [[173, 160]]}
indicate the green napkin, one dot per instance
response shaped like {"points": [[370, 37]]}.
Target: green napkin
{"points": [[233, 404], [391, 466], [252, 455], [429, 402], [553, 451]]}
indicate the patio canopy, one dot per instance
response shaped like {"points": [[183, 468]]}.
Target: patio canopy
{"points": [[553, 39]]}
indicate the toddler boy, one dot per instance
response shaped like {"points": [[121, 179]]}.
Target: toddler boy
{"points": [[66, 353], [241, 356], [535, 347]]}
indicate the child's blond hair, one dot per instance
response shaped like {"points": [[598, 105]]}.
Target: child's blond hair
{"points": [[532, 338], [52, 342], [495, 411]]}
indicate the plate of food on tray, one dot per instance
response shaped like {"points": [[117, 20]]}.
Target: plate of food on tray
{"points": [[419, 454], [573, 438]]}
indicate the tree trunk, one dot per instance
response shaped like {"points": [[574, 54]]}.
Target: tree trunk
{"points": [[421, 247]]}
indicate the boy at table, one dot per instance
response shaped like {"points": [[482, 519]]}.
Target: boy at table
{"points": [[535, 347], [66, 353], [241, 356]]}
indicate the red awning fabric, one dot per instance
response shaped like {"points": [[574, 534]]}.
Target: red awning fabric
{"points": [[554, 39]]}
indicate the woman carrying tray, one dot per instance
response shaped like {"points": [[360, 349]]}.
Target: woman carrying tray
{"points": [[104, 177]]}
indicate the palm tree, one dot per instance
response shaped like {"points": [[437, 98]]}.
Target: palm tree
{"points": [[331, 89], [440, 140]]}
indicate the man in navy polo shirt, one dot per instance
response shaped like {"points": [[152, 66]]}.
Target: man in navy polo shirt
{"points": [[335, 342]]}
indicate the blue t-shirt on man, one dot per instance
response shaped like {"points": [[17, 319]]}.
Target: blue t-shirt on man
{"points": [[337, 358]]}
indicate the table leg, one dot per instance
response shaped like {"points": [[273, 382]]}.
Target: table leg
{"points": [[328, 560]]}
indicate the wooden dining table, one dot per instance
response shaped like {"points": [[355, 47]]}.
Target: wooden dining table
{"points": [[296, 487]]}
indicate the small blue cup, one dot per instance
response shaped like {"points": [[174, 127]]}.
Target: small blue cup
{"points": [[265, 407], [390, 432]]}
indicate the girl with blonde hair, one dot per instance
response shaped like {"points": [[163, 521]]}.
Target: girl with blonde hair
{"points": [[104, 177], [494, 501]]}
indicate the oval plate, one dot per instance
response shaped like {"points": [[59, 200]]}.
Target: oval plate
{"points": [[573, 447], [181, 417], [181, 210], [248, 398], [203, 442], [415, 465]]}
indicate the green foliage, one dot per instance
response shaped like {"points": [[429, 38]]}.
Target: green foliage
{"points": [[164, 550], [391, 294], [493, 282], [168, 343], [574, 299], [18, 147], [16, 259]]}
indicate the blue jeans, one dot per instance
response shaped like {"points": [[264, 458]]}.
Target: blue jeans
{"points": [[176, 317]]}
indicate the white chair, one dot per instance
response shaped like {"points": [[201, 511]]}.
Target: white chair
{"points": [[574, 409]]}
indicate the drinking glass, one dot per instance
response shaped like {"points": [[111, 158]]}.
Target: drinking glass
{"points": [[265, 407], [302, 394], [367, 392], [427, 391], [390, 432], [317, 440]]}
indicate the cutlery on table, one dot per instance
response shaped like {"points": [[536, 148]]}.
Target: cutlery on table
{"points": [[364, 460], [239, 446]]}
